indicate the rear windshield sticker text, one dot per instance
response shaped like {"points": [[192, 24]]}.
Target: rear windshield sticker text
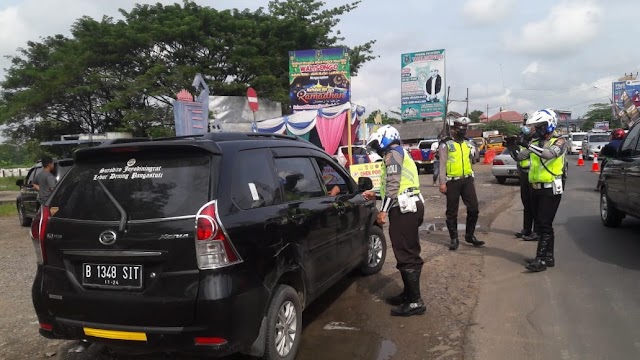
{"points": [[129, 172]]}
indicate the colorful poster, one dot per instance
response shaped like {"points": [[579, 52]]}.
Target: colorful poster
{"points": [[422, 85], [617, 87], [370, 170], [319, 78]]}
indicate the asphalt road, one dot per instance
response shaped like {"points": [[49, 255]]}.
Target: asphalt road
{"points": [[586, 307]]}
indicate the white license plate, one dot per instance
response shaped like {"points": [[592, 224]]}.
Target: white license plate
{"points": [[112, 276]]}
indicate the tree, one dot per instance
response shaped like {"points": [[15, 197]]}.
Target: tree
{"points": [[475, 115], [386, 119], [502, 126], [122, 75], [597, 112]]}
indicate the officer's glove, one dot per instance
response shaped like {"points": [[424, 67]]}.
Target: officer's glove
{"points": [[523, 141]]}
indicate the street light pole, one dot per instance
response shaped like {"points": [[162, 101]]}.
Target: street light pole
{"points": [[612, 105]]}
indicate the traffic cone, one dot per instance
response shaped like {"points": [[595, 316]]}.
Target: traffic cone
{"points": [[580, 159], [595, 167]]}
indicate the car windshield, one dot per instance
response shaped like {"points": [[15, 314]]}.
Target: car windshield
{"points": [[426, 145], [577, 137], [478, 141], [599, 138], [495, 140]]}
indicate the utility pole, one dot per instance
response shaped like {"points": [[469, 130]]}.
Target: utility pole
{"points": [[487, 112], [466, 113], [445, 125]]}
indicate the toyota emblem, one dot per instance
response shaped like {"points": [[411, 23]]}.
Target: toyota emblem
{"points": [[107, 237]]}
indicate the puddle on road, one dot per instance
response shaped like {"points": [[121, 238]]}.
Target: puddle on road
{"points": [[387, 350]]}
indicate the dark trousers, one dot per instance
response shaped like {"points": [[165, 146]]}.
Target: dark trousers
{"points": [[525, 196], [466, 189], [405, 240], [545, 205]]}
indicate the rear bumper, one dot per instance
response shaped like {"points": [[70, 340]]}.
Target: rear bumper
{"points": [[221, 311]]}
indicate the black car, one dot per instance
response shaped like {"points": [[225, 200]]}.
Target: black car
{"points": [[213, 243], [620, 189], [26, 201]]}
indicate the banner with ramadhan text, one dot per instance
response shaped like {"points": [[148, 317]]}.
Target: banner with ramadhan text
{"points": [[319, 78], [422, 85]]}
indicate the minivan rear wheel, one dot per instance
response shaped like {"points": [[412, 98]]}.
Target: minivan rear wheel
{"points": [[24, 221], [376, 252], [284, 324]]}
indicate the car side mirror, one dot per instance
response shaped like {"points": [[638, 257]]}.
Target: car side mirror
{"points": [[365, 183], [608, 151], [20, 182]]}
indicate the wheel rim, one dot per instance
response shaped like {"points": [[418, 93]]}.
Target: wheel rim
{"points": [[375, 250], [20, 213], [286, 328], [604, 209]]}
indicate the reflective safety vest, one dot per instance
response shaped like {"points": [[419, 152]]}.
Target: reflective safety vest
{"points": [[554, 167], [408, 175], [458, 158], [526, 163]]}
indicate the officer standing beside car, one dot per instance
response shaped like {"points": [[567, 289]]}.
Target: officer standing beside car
{"points": [[401, 199], [545, 175], [456, 181], [45, 181]]}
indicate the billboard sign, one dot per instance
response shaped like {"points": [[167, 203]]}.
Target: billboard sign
{"points": [[319, 78], [422, 85], [617, 87]]}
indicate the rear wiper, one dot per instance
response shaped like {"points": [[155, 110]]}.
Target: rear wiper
{"points": [[123, 214]]}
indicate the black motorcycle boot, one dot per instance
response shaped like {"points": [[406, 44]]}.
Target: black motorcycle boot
{"points": [[414, 304], [540, 264], [452, 226], [470, 230], [402, 297], [522, 233], [531, 237], [549, 259]]}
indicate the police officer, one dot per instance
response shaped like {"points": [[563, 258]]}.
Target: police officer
{"points": [[527, 233], [456, 180], [545, 175], [401, 199]]}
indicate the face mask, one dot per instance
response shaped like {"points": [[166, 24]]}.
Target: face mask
{"points": [[541, 132], [461, 133], [525, 130]]}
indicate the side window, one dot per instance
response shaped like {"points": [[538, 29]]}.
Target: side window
{"points": [[254, 183], [630, 142], [32, 175], [298, 178], [333, 181]]}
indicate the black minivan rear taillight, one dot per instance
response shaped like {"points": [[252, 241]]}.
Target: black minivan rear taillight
{"points": [[213, 247], [38, 233]]}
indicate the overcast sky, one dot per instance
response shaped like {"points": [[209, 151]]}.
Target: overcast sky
{"points": [[519, 55]]}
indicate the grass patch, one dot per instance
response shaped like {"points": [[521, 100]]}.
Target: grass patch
{"points": [[9, 184], [8, 209]]}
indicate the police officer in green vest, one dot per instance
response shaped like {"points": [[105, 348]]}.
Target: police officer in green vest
{"points": [[545, 176], [456, 181], [528, 229], [401, 199]]}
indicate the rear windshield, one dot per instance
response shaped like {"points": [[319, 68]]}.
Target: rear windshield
{"points": [[426, 145], [495, 140], [577, 137], [599, 138], [146, 186]]}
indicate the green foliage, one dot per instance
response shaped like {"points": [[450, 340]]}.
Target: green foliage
{"points": [[597, 112], [386, 119], [8, 209], [122, 75], [505, 128], [475, 115], [8, 183]]}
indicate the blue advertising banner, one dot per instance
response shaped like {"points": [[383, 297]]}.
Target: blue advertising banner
{"points": [[422, 85], [617, 87], [319, 78]]}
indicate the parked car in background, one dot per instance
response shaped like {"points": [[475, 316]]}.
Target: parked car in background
{"points": [[168, 244], [26, 203], [575, 142], [620, 188], [361, 155], [593, 142], [504, 167], [481, 145]]}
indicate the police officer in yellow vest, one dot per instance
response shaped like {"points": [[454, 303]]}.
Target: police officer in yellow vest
{"points": [[401, 199], [456, 180], [545, 176], [528, 229]]}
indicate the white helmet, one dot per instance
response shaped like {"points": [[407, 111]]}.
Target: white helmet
{"points": [[544, 116], [461, 121], [384, 136]]}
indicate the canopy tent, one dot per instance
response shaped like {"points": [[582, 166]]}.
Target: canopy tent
{"points": [[330, 124]]}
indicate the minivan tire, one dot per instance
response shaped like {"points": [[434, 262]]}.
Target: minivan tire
{"points": [[376, 251], [501, 179], [24, 221], [611, 217], [284, 316]]}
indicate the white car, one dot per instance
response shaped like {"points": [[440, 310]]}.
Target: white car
{"points": [[575, 142], [593, 142], [360, 152], [504, 167]]}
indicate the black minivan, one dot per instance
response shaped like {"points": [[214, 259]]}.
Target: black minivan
{"points": [[207, 243]]}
